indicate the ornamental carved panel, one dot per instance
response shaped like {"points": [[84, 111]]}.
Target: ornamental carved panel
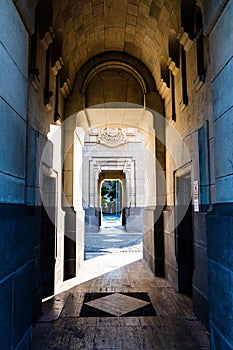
{"points": [[112, 137]]}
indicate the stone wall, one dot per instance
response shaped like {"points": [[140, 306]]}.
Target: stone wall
{"points": [[220, 220], [17, 221], [189, 140], [133, 156]]}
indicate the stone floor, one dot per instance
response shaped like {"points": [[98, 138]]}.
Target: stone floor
{"points": [[110, 239], [124, 308]]}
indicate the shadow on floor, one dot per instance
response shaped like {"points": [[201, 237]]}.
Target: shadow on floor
{"points": [[173, 327]]}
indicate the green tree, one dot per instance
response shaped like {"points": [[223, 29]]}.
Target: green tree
{"points": [[109, 189]]}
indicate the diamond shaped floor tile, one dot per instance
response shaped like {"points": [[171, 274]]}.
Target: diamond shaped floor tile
{"points": [[117, 304]]}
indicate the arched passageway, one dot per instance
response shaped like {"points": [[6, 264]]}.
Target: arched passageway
{"points": [[141, 88]]}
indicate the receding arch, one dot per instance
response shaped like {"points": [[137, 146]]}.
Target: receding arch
{"points": [[114, 84], [113, 58], [140, 80]]}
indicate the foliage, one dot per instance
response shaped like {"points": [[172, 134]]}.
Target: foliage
{"points": [[108, 189]]}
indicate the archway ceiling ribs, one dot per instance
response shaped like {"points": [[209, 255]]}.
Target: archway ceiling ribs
{"points": [[118, 60], [114, 65], [137, 27]]}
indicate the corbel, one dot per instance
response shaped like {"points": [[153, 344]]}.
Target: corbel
{"points": [[57, 65], [66, 88], [184, 39], [47, 39], [172, 66], [163, 89], [47, 101]]}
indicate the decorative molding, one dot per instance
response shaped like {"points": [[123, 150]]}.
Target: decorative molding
{"points": [[112, 137], [198, 82], [163, 89], [171, 121], [66, 88], [172, 66], [57, 66], [49, 106], [47, 39], [47, 101], [57, 119], [182, 105], [184, 39]]}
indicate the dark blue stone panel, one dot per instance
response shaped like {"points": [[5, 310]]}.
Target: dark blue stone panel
{"points": [[200, 307], [16, 237], [200, 277], [219, 226], [13, 142], [222, 88], [23, 302], [17, 274], [224, 188], [223, 129], [31, 166], [204, 165], [217, 341], [220, 239], [5, 314], [221, 300], [26, 342]]}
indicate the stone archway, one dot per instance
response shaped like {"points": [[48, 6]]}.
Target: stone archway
{"points": [[120, 139], [120, 85]]}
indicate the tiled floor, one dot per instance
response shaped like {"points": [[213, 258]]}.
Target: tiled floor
{"points": [[111, 239], [127, 290], [117, 304]]}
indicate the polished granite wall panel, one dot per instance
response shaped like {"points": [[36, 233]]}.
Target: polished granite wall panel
{"points": [[17, 273], [5, 313], [16, 220], [220, 219], [220, 275]]}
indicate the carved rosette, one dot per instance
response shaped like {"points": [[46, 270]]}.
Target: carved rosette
{"points": [[112, 137]]}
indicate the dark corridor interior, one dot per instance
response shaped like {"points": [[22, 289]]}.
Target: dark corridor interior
{"points": [[184, 234], [47, 258]]}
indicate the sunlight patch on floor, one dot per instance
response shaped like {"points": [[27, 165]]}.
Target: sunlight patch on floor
{"points": [[99, 266]]}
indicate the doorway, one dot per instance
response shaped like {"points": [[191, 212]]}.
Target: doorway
{"points": [[111, 202], [184, 230], [48, 236]]}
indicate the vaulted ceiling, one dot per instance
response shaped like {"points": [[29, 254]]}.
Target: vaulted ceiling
{"points": [[137, 27]]}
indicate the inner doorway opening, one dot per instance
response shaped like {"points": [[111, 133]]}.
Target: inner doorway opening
{"points": [[112, 194], [184, 231], [111, 203], [111, 239]]}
